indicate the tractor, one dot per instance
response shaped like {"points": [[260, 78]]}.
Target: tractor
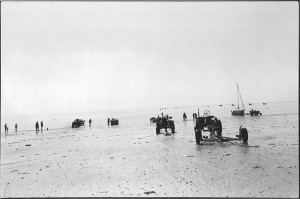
{"points": [[213, 125]]}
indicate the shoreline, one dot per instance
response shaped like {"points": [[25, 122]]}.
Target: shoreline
{"points": [[133, 161]]}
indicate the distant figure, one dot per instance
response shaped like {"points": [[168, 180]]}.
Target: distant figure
{"points": [[37, 126], [16, 127], [6, 128], [184, 116], [42, 125], [108, 120], [90, 121], [47, 129]]}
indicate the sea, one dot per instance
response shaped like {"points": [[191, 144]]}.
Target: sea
{"points": [[139, 119]]}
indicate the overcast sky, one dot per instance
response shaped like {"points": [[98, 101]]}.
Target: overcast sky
{"points": [[60, 57]]}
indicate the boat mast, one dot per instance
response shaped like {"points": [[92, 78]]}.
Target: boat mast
{"points": [[241, 97], [237, 92]]}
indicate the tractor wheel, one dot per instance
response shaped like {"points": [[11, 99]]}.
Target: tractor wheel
{"points": [[198, 136], [244, 135], [173, 129], [157, 131], [219, 128]]}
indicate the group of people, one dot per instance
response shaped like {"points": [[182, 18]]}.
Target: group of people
{"points": [[16, 127], [37, 126], [6, 128]]}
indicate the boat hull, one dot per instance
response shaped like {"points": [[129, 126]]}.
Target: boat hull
{"points": [[238, 112]]}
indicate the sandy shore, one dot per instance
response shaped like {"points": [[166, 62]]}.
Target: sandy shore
{"points": [[133, 161]]}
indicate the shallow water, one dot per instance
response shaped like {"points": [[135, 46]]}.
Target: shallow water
{"points": [[132, 118]]}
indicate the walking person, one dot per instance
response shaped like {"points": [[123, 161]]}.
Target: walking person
{"points": [[42, 125], [16, 127], [108, 120], [37, 126], [90, 121], [6, 128]]}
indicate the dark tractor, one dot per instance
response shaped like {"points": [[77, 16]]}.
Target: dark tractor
{"points": [[164, 122], [114, 122], [254, 112], [213, 125], [78, 123], [207, 123]]}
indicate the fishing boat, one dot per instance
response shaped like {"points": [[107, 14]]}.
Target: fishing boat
{"points": [[242, 110]]}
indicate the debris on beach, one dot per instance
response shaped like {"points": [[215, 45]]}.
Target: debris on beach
{"points": [[149, 192], [28, 145]]}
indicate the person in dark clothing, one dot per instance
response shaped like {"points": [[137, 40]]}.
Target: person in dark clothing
{"points": [[37, 126], [16, 127], [108, 120], [165, 123], [90, 122], [6, 128], [42, 125]]}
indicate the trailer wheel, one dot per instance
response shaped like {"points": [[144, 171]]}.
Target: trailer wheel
{"points": [[157, 131], [198, 136], [244, 135]]}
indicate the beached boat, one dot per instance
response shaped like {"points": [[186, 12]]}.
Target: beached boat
{"points": [[114, 121], [153, 120], [78, 123], [254, 112], [239, 111]]}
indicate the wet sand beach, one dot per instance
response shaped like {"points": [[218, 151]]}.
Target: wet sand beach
{"points": [[131, 160]]}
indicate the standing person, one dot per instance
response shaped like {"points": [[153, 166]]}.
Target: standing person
{"points": [[90, 121], [42, 125], [6, 128], [108, 120], [16, 127], [37, 126]]}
